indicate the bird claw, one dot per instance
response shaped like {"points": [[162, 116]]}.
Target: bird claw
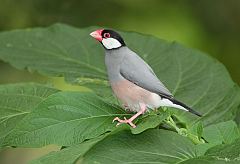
{"points": [[115, 119], [125, 121]]}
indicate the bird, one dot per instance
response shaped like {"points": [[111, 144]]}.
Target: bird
{"points": [[132, 80]]}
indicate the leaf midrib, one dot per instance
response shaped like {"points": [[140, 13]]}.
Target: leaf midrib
{"points": [[159, 154], [11, 116], [79, 119]]}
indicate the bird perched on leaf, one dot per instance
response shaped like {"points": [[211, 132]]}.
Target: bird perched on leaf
{"points": [[132, 80]]}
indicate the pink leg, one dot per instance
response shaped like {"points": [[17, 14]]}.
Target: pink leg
{"points": [[129, 121]]}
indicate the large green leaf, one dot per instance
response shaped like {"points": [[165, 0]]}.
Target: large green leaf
{"points": [[58, 50], [65, 118], [192, 76], [217, 134], [209, 160], [226, 151], [152, 146], [67, 155], [16, 101], [221, 133]]}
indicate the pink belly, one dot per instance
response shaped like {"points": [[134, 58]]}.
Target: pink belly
{"points": [[132, 95]]}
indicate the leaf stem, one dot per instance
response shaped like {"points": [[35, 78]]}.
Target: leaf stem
{"points": [[182, 131]]}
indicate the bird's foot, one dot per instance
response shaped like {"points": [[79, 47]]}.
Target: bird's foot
{"points": [[125, 121]]}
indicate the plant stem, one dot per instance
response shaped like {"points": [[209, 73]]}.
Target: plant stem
{"points": [[182, 131]]}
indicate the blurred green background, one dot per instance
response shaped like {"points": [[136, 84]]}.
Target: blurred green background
{"points": [[212, 26]]}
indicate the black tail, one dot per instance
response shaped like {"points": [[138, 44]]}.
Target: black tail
{"points": [[185, 106]]}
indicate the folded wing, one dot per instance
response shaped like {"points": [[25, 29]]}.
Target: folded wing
{"points": [[136, 70]]}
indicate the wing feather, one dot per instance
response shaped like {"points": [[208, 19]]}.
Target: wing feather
{"points": [[136, 70]]}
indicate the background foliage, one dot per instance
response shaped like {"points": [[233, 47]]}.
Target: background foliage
{"points": [[209, 26]]}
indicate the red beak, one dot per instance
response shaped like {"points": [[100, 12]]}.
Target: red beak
{"points": [[97, 34]]}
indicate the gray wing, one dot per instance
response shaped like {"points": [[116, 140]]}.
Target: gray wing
{"points": [[136, 70]]}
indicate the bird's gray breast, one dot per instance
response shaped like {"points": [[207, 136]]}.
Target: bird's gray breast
{"points": [[113, 59]]}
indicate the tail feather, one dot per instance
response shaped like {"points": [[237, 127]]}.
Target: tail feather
{"points": [[185, 106]]}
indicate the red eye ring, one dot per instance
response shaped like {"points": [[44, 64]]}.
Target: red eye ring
{"points": [[106, 35]]}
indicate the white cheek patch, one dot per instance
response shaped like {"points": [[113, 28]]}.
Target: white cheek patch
{"points": [[111, 43]]}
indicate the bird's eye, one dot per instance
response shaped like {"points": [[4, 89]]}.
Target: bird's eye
{"points": [[106, 35]]}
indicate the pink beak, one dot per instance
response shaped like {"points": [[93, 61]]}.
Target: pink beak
{"points": [[97, 34]]}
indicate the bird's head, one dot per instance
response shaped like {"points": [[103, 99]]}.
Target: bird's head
{"points": [[108, 38]]}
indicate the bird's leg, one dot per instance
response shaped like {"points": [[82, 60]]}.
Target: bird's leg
{"points": [[129, 121]]}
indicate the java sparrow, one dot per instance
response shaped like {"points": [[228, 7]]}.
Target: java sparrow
{"points": [[132, 80]]}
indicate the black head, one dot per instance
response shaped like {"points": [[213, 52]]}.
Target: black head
{"points": [[108, 38]]}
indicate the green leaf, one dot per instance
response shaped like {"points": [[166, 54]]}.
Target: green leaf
{"points": [[203, 147], [208, 160], [68, 155], [217, 134], [224, 132], [197, 129], [195, 134], [58, 50], [152, 146], [226, 151], [149, 121], [237, 118], [18, 100], [61, 50], [65, 118]]}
